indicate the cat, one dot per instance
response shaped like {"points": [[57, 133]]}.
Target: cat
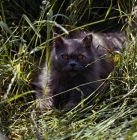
{"points": [[75, 62]]}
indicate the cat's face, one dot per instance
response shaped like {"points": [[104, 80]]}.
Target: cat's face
{"points": [[72, 55]]}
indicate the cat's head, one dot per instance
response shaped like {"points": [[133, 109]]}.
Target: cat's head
{"points": [[72, 55]]}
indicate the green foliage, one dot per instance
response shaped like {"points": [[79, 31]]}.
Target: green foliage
{"points": [[24, 37]]}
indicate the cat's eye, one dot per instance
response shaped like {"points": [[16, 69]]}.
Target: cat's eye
{"points": [[80, 56], [65, 57]]}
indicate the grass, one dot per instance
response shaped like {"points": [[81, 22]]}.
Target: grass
{"points": [[23, 41]]}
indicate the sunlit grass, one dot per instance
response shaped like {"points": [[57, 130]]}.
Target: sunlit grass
{"points": [[23, 43]]}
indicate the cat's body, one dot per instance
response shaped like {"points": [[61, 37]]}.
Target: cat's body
{"points": [[74, 63]]}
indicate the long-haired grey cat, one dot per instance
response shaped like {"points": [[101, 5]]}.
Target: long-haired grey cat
{"points": [[75, 62]]}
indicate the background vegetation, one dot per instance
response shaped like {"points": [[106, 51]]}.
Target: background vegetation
{"points": [[25, 33]]}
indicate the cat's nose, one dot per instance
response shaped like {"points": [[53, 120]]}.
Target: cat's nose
{"points": [[72, 65]]}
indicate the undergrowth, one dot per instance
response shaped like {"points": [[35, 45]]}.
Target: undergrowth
{"points": [[24, 41]]}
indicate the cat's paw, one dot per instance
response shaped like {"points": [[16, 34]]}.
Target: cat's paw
{"points": [[70, 105], [43, 105]]}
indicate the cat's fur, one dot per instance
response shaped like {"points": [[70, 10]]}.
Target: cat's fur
{"points": [[66, 74]]}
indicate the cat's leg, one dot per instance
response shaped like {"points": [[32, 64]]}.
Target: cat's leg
{"points": [[45, 100], [73, 100], [77, 96], [70, 104]]}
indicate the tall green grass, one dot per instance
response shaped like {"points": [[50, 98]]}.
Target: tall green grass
{"points": [[23, 43]]}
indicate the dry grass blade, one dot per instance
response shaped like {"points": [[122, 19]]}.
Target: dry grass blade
{"points": [[25, 34]]}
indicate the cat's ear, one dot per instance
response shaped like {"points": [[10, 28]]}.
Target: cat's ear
{"points": [[57, 41], [87, 40]]}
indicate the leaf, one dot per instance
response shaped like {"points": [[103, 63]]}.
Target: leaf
{"points": [[5, 26], [109, 9], [31, 25]]}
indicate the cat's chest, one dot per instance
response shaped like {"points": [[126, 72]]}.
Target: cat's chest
{"points": [[70, 83]]}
